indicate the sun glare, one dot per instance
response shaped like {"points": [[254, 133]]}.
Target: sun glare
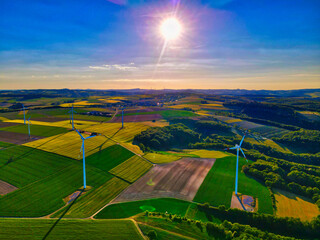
{"points": [[170, 28]]}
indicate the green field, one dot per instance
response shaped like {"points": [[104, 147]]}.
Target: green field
{"points": [[46, 195], [161, 234], [20, 165], [128, 209], [92, 201], [31, 229], [131, 169], [218, 185], [167, 114], [109, 157], [36, 130]]}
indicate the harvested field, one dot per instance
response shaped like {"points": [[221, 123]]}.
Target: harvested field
{"points": [[292, 205], [6, 188], [16, 138], [137, 118], [180, 179]]}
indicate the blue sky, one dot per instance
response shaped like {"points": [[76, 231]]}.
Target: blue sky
{"points": [[100, 44]]}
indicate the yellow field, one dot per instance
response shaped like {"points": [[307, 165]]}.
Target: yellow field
{"points": [[182, 106], [78, 104], [204, 113], [133, 148], [161, 158], [3, 119], [109, 100], [233, 120], [79, 124], [309, 112], [21, 112], [114, 130], [209, 154], [291, 205], [131, 169], [69, 144]]}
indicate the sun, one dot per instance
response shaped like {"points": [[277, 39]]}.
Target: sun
{"points": [[170, 28]]}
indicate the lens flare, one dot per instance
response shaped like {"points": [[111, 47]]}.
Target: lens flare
{"points": [[170, 29]]}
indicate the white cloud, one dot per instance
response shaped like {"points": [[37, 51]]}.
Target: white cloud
{"points": [[120, 67]]}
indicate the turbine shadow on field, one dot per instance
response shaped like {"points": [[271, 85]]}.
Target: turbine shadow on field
{"points": [[62, 215], [241, 203]]}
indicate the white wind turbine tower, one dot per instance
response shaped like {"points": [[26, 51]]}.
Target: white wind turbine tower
{"points": [[238, 147]]}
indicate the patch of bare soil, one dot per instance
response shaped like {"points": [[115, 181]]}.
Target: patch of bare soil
{"points": [[180, 179], [16, 138], [6, 188], [137, 118], [244, 202]]}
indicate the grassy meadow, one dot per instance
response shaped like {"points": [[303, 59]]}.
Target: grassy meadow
{"points": [[68, 229], [218, 185]]}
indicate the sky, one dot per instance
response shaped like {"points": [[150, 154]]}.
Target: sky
{"points": [[117, 44]]}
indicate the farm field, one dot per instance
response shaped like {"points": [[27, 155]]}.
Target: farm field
{"points": [[20, 165], [131, 169], [92, 201], [128, 209], [292, 205], [161, 234], [167, 114], [203, 153], [109, 157], [45, 196], [187, 175], [69, 144], [114, 130], [218, 186], [17, 138], [68, 229], [79, 124], [37, 130], [137, 118], [161, 158], [6, 188]]}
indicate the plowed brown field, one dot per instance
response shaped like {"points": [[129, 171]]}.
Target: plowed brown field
{"points": [[180, 179]]}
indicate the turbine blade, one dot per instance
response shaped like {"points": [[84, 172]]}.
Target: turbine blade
{"points": [[244, 154], [90, 137], [242, 139], [232, 148]]}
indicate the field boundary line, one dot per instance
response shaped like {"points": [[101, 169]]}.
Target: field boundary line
{"points": [[173, 233], [138, 229]]}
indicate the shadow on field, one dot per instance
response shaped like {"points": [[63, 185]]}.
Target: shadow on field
{"points": [[62, 215], [241, 203]]}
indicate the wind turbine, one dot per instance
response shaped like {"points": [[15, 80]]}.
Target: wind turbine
{"points": [[238, 147], [29, 123], [71, 117], [24, 113], [122, 115], [84, 157]]}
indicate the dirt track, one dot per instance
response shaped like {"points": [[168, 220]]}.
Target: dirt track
{"points": [[137, 118], [16, 138], [6, 188], [180, 179]]}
